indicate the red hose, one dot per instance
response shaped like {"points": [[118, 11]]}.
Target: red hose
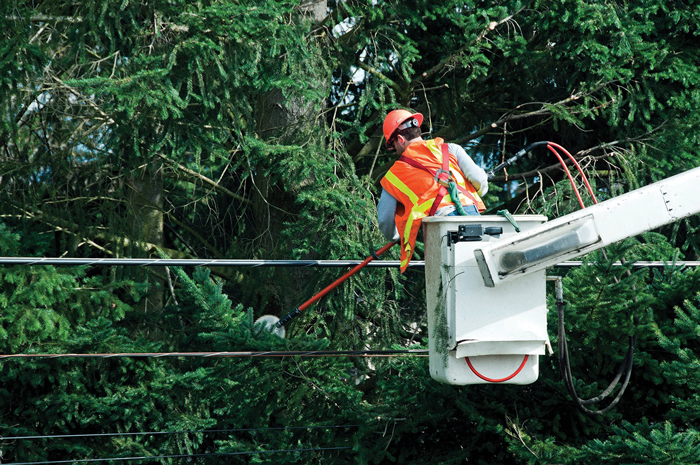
{"points": [[568, 173], [578, 167], [490, 380]]}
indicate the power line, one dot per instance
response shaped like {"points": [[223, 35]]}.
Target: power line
{"points": [[193, 262], [181, 456], [143, 433], [267, 354], [271, 263]]}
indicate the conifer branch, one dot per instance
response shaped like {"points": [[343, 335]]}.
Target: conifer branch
{"points": [[579, 155], [70, 228], [455, 56], [23, 116], [86, 199], [43, 18], [206, 180], [381, 76], [639, 138], [89, 101], [545, 110], [368, 149], [549, 169], [194, 233]]}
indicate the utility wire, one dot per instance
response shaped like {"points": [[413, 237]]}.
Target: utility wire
{"points": [[192, 262], [271, 263], [318, 353], [143, 433], [180, 456]]}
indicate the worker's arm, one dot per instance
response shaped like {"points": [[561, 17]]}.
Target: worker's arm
{"points": [[386, 209], [476, 175]]}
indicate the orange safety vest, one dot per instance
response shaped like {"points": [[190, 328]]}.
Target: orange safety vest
{"points": [[413, 182]]}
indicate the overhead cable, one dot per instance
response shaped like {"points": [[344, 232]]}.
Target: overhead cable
{"points": [[190, 262], [206, 431], [260, 354], [151, 457], [565, 366], [56, 261]]}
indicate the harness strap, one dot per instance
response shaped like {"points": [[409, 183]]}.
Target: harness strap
{"points": [[442, 177]]}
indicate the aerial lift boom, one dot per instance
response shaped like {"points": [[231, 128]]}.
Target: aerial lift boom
{"points": [[590, 229]]}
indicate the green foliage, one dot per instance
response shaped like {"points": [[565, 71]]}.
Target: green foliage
{"points": [[644, 443], [680, 341], [40, 303], [250, 129]]}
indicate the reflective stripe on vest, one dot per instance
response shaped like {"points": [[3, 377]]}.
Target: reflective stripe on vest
{"points": [[417, 213]]}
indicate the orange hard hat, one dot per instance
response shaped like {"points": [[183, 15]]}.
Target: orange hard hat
{"points": [[395, 119]]}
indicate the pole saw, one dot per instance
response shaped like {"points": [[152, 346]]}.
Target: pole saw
{"points": [[276, 325]]}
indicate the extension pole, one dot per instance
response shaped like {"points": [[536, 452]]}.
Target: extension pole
{"points": [[333, 285]]}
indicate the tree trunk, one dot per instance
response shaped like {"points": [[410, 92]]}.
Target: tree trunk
{"points": [[280, 118], [146, 224]]}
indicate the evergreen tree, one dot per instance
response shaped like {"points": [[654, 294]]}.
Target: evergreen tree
{"points": [[252, 129]]}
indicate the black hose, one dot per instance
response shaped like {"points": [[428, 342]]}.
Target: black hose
{"points": [[565, 367], [515, 158]]}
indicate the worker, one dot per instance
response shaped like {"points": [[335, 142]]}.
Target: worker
{"points": [[422, 182]]}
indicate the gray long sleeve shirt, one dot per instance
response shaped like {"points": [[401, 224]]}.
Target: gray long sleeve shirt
{"points": [[386, 208]]}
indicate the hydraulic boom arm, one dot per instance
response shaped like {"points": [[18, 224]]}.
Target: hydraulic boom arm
{"points": [[584, 231]]}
